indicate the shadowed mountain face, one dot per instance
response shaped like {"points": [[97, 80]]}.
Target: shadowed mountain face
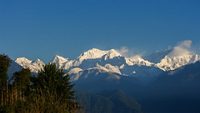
{"points": [[176, 91], [170, 92], [115, 101]]}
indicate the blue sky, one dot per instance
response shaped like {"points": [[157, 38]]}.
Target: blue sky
{"points": [[44, 28]]}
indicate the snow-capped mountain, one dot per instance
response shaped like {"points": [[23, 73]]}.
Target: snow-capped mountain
{"points": [[108, 68], [171, 63], [106, 61], [111, 61], [179, 56], [138, 60], [89, 58], [63, 63], [60, 61], [92, 54], [110, 56], [34, 66]]}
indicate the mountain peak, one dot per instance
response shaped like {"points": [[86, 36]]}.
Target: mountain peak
{"points": [[111, 54], [138, 60], [35, 66], [60, 61], [172, 63], [23, 60], [92, 54], [60, 58], [169, 60]]}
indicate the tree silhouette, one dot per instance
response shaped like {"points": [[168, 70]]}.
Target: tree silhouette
{"points": [[50, 91], [4, 65]]}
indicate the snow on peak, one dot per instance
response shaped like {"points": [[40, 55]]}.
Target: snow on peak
{"points": [[171, 63], [97, 53], [75, 73], [34, 66], [63, 63], [108, 68], [23, 61], [75, 70], [60, 58], [92, 54], [138, 60], [111, 54], [112, 68], [59, 61], [180, 55], [38, 64], [113, 61]]}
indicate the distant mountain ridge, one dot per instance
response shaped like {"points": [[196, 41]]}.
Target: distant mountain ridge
{"points": [[111, 61]]}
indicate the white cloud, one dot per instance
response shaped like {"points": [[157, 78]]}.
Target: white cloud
{"points": [[124, 51], [127, 52], [183, 48]]}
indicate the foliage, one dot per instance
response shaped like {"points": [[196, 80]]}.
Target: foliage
{"points": [[49, 92]]}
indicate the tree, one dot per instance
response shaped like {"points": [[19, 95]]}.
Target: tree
{"points": [[4, 65], [53, 91], [21, 81]]}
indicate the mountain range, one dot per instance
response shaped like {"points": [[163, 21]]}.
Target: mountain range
{"points": [[112, 61]]}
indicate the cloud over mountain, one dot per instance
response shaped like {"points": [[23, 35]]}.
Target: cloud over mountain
{"points": [[124, 51], [183, 48], [127, 52]]}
